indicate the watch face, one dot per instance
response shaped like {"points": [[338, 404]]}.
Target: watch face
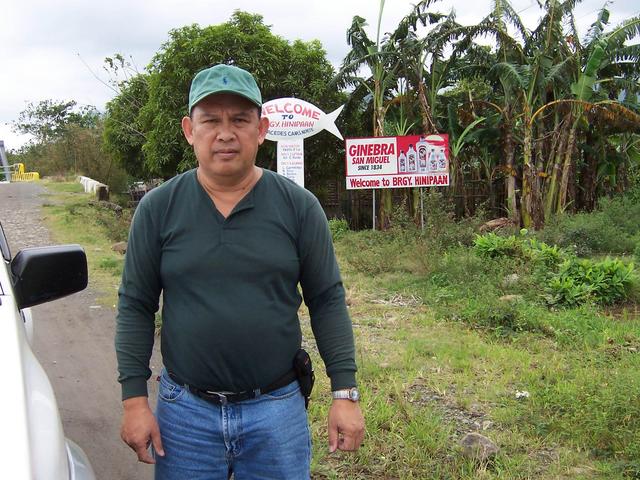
{"points": [[354, 394]]}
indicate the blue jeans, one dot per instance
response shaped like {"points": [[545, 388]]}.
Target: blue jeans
{"points": [[263, 438]]}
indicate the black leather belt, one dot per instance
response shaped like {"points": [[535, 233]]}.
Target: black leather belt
{"points": [[222, 398]]}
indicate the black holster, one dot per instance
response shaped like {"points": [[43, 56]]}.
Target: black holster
{"points": [[304, 371]]}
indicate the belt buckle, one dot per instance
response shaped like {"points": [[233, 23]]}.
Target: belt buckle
{"points": [[222, 397]]}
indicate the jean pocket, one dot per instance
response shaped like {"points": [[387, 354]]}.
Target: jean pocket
{"points": [[168, 390], [281, 393]]}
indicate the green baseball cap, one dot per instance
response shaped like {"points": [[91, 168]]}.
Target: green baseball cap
{"points": [[224, 79]]}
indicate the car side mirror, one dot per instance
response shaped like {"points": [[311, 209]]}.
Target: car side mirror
{"points": [[42, 274]]}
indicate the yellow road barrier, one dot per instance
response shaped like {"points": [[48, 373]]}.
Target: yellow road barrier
{"points": [[25, 177], [19, 175]]}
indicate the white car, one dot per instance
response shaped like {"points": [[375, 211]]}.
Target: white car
{"points": [[32, 443]]}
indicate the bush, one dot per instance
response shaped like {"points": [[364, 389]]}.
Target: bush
{"points": [[586, 234], [567, 291], [568, 281], [545, 255], [338, 227], [441, 227], [492, 245], [405, 246], [624, 211], [112, 264], [116, 226], [402, 227], [580, 281], [504, 318], [612, 229]]}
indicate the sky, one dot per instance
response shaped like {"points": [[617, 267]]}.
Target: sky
{"points": [[55, 49]]}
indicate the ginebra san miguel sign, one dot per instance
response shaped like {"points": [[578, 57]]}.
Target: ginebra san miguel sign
{"points": [[397, 162]]}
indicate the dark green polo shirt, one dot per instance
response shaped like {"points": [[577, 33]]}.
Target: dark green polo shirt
{"points": [[230, 287]]}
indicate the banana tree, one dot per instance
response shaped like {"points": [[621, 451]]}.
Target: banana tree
{"points": [[381, 59], [458, 139], [498, 24], [414, 54], [609, 66]]}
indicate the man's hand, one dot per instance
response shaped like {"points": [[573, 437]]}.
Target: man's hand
{"points": [[346, 426], [140, 429]]}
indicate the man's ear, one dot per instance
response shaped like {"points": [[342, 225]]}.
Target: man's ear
{"points": [[187, 129], [263, 127]]}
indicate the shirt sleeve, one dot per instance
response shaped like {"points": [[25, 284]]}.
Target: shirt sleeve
{"points": [[138, 301], [325, 297]]}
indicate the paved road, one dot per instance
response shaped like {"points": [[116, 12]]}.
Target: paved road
{"points": [[74, 342]]}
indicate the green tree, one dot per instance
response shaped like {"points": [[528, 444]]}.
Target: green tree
{"points": [[48, 120], [150, 125], [547, 84], [609, 69], [67, 139], [124, 136]]}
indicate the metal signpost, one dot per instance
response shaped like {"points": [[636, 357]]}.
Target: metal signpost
{"points": [[5, 172]]}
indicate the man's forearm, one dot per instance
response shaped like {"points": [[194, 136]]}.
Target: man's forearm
{"points": [[333, 332]]}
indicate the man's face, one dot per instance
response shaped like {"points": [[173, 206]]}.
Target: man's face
{"points": [[225, 132]]}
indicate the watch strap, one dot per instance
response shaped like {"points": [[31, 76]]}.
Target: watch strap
{"points": [[346, 394]]}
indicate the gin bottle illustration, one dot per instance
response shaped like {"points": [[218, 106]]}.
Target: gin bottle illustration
{"points": [[423, 153], [442, 159], [402, 162], [433, 160], [411, 159]]}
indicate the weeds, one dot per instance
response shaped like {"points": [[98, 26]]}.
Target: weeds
{"points": [[611, 229], [566, 280], [493, 335], [492, 245], [73, 219], [338, 227], [111, 264], [579, 281]]}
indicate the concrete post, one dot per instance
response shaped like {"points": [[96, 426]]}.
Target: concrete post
{"points": [[5, 172]]}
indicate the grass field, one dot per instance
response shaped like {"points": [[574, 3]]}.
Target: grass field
{"points": [[72, 219], [447, 342]]}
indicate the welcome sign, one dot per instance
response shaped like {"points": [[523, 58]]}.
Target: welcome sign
{"points": [[290, 121]]}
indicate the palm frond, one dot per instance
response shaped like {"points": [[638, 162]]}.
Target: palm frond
{"points": [[512, 75], [562, 72], [356, 35], [628, 53], [625, 31], [597, 27], [515, 20], [621, 84], [549, 34], [573, 32]]}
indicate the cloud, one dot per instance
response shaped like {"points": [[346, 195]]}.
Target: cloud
{"points": [[45, 44]]}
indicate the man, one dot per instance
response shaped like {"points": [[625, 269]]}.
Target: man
{"points": [[227, 244]]}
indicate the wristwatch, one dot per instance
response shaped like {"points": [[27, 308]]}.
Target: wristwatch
{"points": [[347, 394]]}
